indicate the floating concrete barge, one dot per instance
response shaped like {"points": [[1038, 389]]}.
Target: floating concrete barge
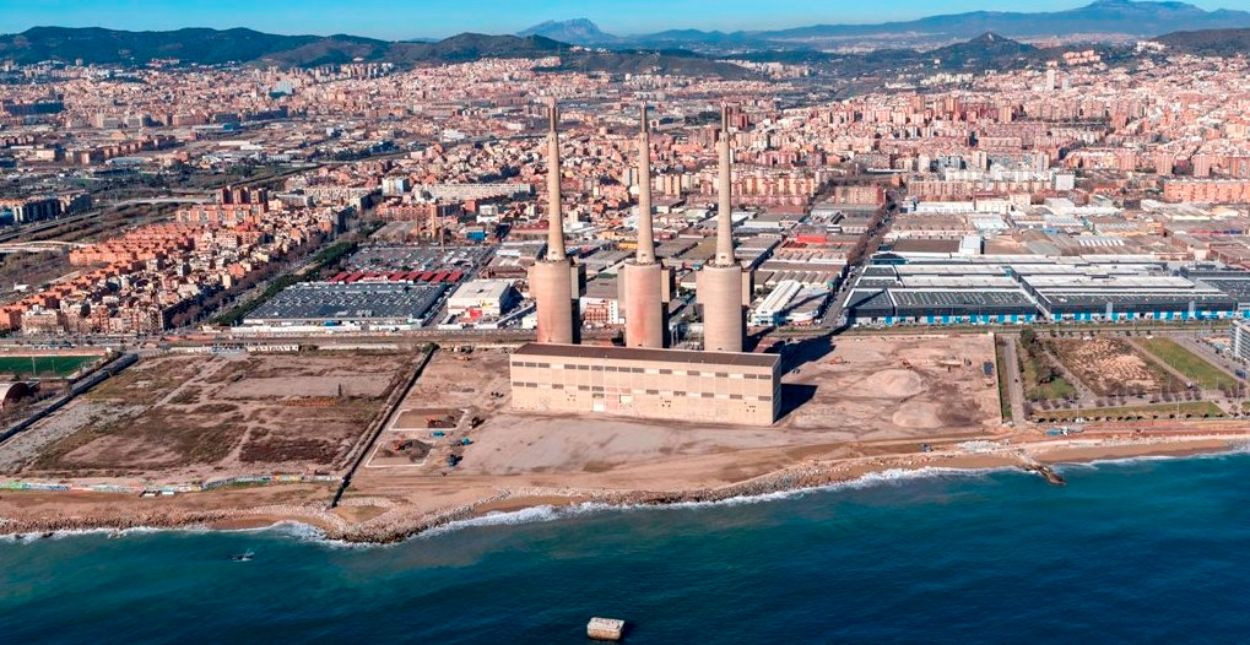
{"points": [[605, 629]]}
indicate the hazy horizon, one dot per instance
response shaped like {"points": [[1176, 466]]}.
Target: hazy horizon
{"points": [[442, 18]]}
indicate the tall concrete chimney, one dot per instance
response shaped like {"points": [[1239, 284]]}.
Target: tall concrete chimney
{"points": [[723, 287], [646, 236], [552, 279], [642, 290], [555, 213], [724, 207]]}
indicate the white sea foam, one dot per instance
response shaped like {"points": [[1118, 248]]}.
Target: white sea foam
{"points": [[1241, 449], [69, 533], [530, 515], [534, 514], [549, 513]]}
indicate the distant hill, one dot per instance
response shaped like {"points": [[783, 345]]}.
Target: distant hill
{"points": [[677, 62], [214, 47], [578, 31], [206, 46], [467, 47], [1103, 17], [984, 51], [1128, 17], [1209, 42]]}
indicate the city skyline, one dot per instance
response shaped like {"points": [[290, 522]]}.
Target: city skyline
{"points": [[442, 18]]}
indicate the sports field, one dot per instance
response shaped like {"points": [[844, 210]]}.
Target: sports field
{"points": [[47, 366]]}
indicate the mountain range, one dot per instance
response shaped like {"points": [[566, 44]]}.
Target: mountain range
{"points": [[215, 47], [1131, 18], [581, 45]]}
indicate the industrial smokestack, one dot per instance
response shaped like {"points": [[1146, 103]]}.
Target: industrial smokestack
{"points": [[555, 217], [724, 211], [551, 279], [724, 288], [646, 237], [642, 288]]}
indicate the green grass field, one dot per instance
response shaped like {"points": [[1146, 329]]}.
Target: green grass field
{"points": [[1193, 366], [29, 366], [1160, 411], [1035, 389]]}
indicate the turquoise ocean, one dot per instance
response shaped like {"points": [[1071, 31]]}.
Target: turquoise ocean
{"points": [[1141, 551]]}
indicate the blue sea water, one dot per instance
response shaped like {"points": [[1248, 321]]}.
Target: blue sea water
{"points": [[1154, 550]]}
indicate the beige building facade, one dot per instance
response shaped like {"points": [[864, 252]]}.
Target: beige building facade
{"points": [[705, 387]]}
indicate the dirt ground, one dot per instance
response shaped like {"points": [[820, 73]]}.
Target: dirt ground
{"points": [[190, 417], [457, 390], [1111, 366], [903, 390], [897, 387]]}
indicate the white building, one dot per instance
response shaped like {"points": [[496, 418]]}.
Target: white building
{"points": [[394, 186], [492, 298], [1241, 340], [771, 310]]}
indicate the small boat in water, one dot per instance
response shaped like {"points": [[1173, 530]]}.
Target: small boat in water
{"points": [[246, 556]]}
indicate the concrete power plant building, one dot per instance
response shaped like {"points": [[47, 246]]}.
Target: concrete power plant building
{"points": [[554, 280], [684, 385], [723, 286], [644, 380], [645, 285]]}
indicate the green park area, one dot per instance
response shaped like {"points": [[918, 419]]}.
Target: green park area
{"points": [[1042, 378], [1185, 410], [1194, 367]]}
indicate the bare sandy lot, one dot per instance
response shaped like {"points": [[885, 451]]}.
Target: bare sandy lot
{"points": [[897, 387], [190, 417], [1112, 366], [902, 391]]}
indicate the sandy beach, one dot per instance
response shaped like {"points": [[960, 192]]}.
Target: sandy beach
{"points": [[361, 519]]}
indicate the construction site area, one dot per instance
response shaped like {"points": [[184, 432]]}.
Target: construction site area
{"points": [[455, 439], [194, 417], [875, 387]]}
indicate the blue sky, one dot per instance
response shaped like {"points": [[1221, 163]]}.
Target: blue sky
{"points": [[395, 19]]}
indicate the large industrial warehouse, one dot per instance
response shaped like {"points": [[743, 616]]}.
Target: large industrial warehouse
{"points": [[365, 303], [1021, 289], [1233, 283]]}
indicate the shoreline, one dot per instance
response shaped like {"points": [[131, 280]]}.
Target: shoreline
{"points": [[549, 503]]}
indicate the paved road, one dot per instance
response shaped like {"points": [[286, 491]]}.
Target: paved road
{"points": [[1015, 387], [151, 201]]}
